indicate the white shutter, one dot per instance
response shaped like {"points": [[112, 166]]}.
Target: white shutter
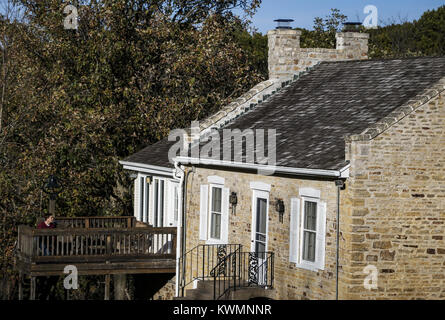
{"points": [[294, 229], [225, 215], [204, 212], [136, 198], [321, 235]]}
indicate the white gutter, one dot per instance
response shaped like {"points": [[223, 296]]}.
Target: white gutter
{"points": [[181, 177], [266, 168], [146, 168]]}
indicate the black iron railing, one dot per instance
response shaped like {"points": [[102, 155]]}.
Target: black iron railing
{"points": [[198, 262], [243, 269]]}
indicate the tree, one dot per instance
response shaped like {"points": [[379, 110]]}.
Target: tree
{"points": [[81, 100]]}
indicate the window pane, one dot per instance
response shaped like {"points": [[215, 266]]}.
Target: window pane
{"points": [[176, 203], [260, 248], [141, 199], [155, 203], [161, 204], [309, 246], [261, 215], [146, 201], [310, 215], [216, 199], [216, 226]]}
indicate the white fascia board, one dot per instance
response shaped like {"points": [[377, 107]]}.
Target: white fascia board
{"points": [[295, 171], [344, 172], [145, 168]]}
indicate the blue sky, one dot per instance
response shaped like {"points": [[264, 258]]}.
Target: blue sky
{"points": [[304, 11]]}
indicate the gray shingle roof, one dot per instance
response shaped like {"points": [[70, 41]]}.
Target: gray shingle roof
{"points": [[335, 99]]}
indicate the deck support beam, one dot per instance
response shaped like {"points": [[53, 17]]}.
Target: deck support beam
{"points": [[33, 288], [20, 286], [107, 287], [120, 284]]}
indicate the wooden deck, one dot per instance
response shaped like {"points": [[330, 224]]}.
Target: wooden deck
{"points": [[96, 245]]}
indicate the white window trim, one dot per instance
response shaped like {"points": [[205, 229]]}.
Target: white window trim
{"points": [[258, 185], [216, 182], [309, 192], [313, 195], [304, 264]]}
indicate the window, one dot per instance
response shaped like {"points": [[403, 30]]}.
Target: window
{"points": [[215, 213], [307, 231], [141, 211], [158, 202]]}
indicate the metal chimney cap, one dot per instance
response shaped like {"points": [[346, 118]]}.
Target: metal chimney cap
{"points": [[351, 26], [352, 23], [284, 23]]}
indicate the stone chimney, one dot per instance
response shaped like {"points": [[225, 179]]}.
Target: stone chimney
{"points": [[286, 58], [284, 52], [354, 43]]}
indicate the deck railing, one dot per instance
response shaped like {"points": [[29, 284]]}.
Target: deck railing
{"points": [[243, 269], [197, 263], [94, 222], [54, 244]]}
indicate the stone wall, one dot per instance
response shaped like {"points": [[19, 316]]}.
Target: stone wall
{"points": [[290, 282], [394, 207], [286, 58], [167, 292]]}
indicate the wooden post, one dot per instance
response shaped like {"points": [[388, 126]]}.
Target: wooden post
{"points": [[33, 288], [120, 283], [20, 286], [107, 287], [129, 224]]}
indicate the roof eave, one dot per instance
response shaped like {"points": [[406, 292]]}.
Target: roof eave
{"points": [[342, 173]]}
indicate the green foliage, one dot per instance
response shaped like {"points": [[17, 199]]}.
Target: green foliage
{"points": [[424, 37], [76, 102], [323, 35]]}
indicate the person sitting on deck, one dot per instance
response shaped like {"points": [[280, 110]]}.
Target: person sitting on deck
{"points": [[48, 223]]}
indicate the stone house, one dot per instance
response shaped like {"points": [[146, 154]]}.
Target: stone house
{"points": [[349, 202]]}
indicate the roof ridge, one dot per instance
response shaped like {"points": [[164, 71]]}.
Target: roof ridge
{"points": [[399, 113], [383, 59]]}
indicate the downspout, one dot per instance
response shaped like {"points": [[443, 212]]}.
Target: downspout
{"points": [[182, 222], [179, 174], [339, 184]]}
